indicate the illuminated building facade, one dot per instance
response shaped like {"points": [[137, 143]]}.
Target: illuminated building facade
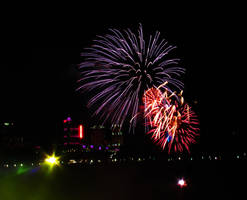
{"points": [[111, 137], [96, 137], [74, 133], [116, 136]]}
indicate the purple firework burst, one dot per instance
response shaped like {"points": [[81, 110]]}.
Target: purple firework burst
{"points": [[120, 66]]}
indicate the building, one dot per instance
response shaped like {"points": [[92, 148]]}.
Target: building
{"points": [[116, 136], [74, 132], [99, 135]]}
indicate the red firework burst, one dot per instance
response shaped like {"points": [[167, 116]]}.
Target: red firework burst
{"points": [[172, 122]]}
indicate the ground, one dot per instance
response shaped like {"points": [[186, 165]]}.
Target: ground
{"points": [[205, 179]]}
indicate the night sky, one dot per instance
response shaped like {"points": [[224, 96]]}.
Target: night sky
{"points": [[38, 70]]}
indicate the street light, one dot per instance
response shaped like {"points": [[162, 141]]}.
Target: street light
{"points": [[52, 160]]}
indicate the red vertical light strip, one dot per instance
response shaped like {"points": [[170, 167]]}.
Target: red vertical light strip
{"points": [[81, 135]]}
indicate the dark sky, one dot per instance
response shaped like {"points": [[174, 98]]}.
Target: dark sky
{"points": [[41, 51]]}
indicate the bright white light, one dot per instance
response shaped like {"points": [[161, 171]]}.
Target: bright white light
{"points": [[182, 183], [51, 160]]}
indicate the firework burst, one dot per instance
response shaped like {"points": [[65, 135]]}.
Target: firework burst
{"points": [[119, 67], [172, 122]]}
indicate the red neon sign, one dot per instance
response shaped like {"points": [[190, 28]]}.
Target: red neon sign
{"points": [[80, 132]]}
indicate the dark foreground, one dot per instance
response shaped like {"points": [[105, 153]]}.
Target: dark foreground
{"points": [[206, 180]]}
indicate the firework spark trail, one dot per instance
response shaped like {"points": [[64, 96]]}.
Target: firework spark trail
{"points": [[120, 66], [172, 122]]}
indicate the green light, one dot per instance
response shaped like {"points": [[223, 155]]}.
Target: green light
{"points": [[6, 123], [22, 170]]}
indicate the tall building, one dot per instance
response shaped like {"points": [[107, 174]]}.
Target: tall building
{"points": [[98, 135], [112, 137], [116, 136], [74, 132]]}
